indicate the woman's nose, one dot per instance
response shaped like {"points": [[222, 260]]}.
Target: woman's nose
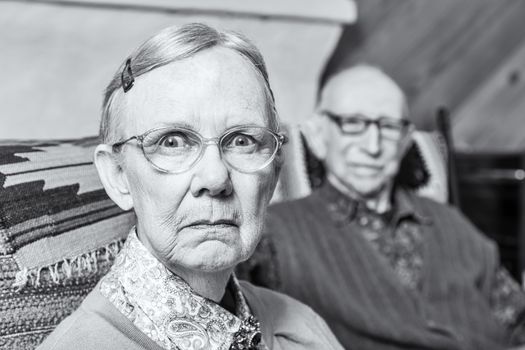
{"points": [[211, 175]]}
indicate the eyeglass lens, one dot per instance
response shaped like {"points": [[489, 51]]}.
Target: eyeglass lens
{"points": [[357, 125], [246, 149]]}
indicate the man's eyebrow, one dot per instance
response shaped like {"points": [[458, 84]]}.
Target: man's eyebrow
{"points": [[344, 116]]}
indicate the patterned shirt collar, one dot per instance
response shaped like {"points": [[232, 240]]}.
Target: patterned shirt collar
{"points": [[343, 208], [165, 308]]}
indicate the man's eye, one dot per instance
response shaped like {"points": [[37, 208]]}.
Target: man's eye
{"points": [[390, 127], [353, 124]]}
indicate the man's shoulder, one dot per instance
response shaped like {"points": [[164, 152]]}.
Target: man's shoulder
{"points": [[432, 208], [300, 216], [297, 202], [449, 220], [294, 206]]}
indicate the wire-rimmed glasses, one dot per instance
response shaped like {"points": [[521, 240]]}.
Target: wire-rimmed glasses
{"points": [[391, 129], [174, 149]]}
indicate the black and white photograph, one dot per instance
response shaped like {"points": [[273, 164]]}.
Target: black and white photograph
{"points": [[262, 175]]}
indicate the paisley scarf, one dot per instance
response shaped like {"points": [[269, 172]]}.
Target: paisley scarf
{"points": [[165, 308]]}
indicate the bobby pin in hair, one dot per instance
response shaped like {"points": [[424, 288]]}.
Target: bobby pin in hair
{"points": [[126, 77]]}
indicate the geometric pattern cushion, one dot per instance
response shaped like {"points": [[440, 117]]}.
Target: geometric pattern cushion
{"points": [[434, 157], [59, 234]]}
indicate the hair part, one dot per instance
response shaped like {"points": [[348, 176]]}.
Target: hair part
{"points": [[175, 44]]}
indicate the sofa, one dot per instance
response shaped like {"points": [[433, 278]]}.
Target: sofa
{"points": [[60, 233]]}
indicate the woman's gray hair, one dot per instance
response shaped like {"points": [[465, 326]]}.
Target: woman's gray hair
{"points": [[173, 44]]}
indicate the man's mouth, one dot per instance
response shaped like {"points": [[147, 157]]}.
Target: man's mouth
{"points": [[365, 170], [366, 166]]}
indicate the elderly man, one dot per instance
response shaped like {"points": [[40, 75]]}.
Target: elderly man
{"points": [[385, 268], [191, 143]]}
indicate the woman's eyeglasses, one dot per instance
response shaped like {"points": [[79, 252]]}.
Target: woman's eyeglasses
{"points": [[176, 149], [392, 129]]}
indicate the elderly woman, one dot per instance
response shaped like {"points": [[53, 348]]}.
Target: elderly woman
{"points": [[192, 145]]}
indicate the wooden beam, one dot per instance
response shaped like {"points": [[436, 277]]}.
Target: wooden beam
{"points": [[468, 57], [493, 117]]}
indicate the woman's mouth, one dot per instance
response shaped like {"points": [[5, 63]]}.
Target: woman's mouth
{"points": [[215, 224]]}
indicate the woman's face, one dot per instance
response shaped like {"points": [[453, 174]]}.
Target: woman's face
{"points": [[208, 218]]}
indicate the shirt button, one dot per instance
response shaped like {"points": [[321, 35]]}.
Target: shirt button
{"points": [[431, 324], [377, 225], [363, 221]]}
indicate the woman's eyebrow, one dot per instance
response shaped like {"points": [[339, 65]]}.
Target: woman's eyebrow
{"points": [[178, 124]]}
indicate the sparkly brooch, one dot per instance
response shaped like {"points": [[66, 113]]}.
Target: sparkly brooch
{"points": [[248, 336]]}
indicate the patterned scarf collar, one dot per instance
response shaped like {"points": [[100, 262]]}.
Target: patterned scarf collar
{"points": [[165, 308], [344, 208]]}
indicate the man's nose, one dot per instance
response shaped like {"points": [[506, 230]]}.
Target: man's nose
{"points": [[371, 141], [211, 175]]}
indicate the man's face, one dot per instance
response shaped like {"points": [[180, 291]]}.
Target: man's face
{"points": [[209, 217], [367, 162]]}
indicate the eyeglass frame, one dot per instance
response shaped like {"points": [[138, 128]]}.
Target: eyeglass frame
{"points": [[406, 125], [280, 138]]}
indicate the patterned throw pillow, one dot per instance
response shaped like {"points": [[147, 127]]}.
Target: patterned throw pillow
{"points": [[59, 233]]}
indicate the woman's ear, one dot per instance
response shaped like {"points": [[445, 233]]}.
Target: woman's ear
{"points": [[113, 177], [314, 131]]}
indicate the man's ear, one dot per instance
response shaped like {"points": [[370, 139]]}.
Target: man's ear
{"points": [[113, 177], [315, 133]]}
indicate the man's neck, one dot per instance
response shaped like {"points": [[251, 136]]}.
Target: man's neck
{"points": [[379, 202]]}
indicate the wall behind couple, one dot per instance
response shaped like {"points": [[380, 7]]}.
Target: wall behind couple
{"points": [[468, 56], [57, 56]]}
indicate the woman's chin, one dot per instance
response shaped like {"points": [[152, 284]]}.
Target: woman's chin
{"points": [[212, 256]]}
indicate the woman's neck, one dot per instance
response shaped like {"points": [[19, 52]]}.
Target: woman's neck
{"points": [[210, 285]]}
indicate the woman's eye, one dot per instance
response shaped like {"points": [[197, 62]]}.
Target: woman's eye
{"points": [[173, 141], [242, 141]]}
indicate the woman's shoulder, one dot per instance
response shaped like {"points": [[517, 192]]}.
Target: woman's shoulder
{"points": [[287, 323], [96, 325]]}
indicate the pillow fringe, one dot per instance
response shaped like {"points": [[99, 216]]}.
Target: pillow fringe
{"points": [[83, 265]]}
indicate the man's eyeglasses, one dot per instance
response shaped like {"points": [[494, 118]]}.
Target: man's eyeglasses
{"points": [[176, 149], [392, 129]]}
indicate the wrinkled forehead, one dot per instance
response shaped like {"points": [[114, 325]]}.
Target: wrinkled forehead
{"points": [[366, 91], [214, 86]]}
